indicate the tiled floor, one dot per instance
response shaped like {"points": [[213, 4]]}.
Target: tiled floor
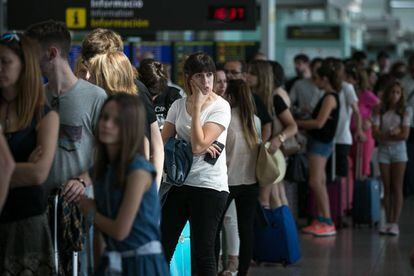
{"points": [[354, 252]]}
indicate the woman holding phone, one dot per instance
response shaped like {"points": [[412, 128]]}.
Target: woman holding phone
{"points": [[202, 119]]}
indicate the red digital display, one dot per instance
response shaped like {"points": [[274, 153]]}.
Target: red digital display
{"points": [[227, 13]]}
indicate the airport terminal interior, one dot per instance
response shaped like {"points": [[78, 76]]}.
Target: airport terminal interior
{"points": [[207, 137]]}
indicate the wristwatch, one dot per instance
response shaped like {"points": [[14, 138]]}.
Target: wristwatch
{"points": [[80, 180]]}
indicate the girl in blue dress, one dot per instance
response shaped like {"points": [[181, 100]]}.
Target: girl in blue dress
{"points": [[126, 209]]}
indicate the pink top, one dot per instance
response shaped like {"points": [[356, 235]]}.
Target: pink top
{"points": [[367, 100]]}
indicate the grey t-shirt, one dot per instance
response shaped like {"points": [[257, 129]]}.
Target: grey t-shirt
{"points": [[78, 110], [304, 96], [408, 84]]}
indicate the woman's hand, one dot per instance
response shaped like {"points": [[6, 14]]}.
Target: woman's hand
{"points": [[199, 97], [86, 205], [214, 150], [275, 144], [395, 131], [360, 136], [366, 125]]}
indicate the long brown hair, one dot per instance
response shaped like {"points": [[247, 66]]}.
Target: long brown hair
{"points": [[333, 70], [131, 121], [239, 96], [30, 100], [386, 99], [113, 72], [265, 82]]}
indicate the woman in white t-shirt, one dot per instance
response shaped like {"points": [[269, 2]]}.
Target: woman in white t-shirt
{"points": [[202, 119]]}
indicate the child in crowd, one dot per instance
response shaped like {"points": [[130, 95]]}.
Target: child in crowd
{"points": [[322, 128], [31, 129], [391, 129], [126, 209]]}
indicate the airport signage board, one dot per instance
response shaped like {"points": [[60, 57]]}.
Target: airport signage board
{"points": [[313, 32], [137, 15]]}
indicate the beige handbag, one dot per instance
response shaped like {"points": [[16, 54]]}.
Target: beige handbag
{"points": [[267, 170]]}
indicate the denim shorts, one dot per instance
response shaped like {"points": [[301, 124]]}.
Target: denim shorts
{"points": [[319, 148], [392, 153]]}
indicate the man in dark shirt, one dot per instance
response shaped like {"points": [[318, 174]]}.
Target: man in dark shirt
{"points": [[236, 69]]}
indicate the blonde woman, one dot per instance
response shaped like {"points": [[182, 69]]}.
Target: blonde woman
{"points": [[261, 80], [114, 73], [103, 41]]}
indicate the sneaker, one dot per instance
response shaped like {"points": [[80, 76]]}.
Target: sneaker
{"points": [[325, 230], [394, 230], [384, 229], [310, 229]]}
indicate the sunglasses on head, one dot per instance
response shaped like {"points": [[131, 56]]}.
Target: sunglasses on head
{"points": [[10, 37]]}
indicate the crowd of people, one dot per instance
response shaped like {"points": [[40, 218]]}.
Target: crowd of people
{"points": [[87, 147]]}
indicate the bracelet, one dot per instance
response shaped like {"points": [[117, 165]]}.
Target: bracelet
{"points": [[282, 137], [81, 181]]}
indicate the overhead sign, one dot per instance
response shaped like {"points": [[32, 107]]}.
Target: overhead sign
{"points": [[313, 32], [138, 15]]}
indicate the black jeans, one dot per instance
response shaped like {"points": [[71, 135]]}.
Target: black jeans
{"points": [[246, 199], [204, 208]]}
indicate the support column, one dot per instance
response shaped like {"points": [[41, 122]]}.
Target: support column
{"points": [[268, 28]]}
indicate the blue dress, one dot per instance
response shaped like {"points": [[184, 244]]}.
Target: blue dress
{"points": [[145, 228]]}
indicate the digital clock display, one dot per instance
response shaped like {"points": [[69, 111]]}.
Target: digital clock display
{"points": [[227, 13]]}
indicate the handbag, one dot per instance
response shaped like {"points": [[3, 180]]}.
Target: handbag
{"points": [[266, 169], [178, 161], [297, 169]]}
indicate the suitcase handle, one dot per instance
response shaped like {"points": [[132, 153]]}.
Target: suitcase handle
{"points": [[358, 161]]}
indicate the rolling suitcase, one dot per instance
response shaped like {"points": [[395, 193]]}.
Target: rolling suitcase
{"points": [[276, 240], [180, 264], [366, 200]]}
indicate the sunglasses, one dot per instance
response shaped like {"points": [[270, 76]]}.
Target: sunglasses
{"points": [[10, 37]]}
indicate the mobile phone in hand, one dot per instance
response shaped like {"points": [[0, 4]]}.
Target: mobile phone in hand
{"points": [[209, 159]]}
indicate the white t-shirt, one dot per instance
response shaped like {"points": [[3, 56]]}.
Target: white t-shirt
{"points": [[203, 174], [391, 120], [347, 97]]}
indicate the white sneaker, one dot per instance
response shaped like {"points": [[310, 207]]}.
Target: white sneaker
{"points": [[394, 230], [384, 230]]}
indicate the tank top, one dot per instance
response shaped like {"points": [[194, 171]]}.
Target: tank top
{"points": [[326, 134], [27, 201]]}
